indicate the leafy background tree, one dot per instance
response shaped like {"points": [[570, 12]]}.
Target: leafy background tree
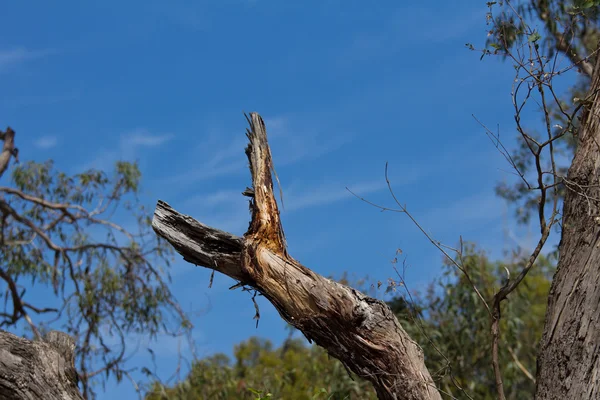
{"points": [[452, 326], [103, 280], [293, 371], [448, 320], [567, 30]]}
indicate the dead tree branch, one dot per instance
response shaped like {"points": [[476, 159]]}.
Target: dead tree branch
{"points": [[360, 331]]}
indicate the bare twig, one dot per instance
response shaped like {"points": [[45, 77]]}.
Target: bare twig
{"points": [[436, 243]]}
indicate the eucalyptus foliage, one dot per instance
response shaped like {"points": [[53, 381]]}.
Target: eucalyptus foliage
{"points": [[79, 255]]}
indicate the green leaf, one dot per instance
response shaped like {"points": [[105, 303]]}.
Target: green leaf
{"points": [[582, 4], [534, 37]]}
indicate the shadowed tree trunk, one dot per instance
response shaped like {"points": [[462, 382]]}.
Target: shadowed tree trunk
{"points": [[569, 355], [360, 331], [38, 369]]}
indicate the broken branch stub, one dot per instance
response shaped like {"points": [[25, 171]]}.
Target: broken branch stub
{"points": [[360, 331]]}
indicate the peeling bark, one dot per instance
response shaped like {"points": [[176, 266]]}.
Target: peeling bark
{"points": [[569, 355], [360, 331], [38, 369]]}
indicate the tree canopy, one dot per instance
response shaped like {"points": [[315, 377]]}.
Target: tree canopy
{"points": [[258, 369], [449, 323], [85, 242]]}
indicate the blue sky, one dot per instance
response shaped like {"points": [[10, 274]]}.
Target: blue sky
{"points": [[344, 87]]}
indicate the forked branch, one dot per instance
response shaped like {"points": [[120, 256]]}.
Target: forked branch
{"points": [[360, 331]]}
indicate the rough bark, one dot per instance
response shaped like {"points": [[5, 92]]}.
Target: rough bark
{"points": [[8, 149], [569, 355], [360, 331], [38, 369]]}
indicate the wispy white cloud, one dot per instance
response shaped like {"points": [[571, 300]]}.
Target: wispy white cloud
{"points": [[141, 137], [216, 199], [223, 154], [12, 57], [470, 212], [294, 199], [45, 142], [129, 145], [228, 209], [290, 144], [206, 172], [217, 159], [276, 126], [327, 194]]}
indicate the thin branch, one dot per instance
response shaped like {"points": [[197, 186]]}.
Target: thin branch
{"points": [[18, 305], [563, 45], [436, 243], [520, 365]]}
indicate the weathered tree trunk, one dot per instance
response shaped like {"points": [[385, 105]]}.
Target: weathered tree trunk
{"points": [[569, 355], [38, 369], [360, 331]]}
